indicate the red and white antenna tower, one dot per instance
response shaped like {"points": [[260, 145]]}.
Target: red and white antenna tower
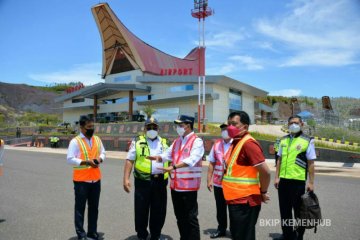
{"points": [[201, 11]]}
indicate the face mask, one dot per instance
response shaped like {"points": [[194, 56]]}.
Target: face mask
{"points": [[152, 134], [89, 132], [236, 132], [294, 128], [224, 134], [180, 131]]}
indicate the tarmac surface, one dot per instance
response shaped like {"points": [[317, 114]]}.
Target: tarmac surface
{"points": [[37, 200]]}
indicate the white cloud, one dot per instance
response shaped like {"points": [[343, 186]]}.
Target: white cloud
{"points": [[88, 74], [266, 45], [324, 58], [247, 62], [286, 92], [327, 28], [227, 39], [221, 70]]}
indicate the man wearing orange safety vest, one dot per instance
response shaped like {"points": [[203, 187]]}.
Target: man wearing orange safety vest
{"points": [[86, 152], [246, 180], [186, 154], [219, 153]]}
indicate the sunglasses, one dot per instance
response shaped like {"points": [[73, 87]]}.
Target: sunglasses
{"points": [[151, 128]]}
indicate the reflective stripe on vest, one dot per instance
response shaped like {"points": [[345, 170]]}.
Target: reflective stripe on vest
{"points": [[293, 157], [84, 173], [240, 181], [220, 160], [187, 178], [142, 164]]}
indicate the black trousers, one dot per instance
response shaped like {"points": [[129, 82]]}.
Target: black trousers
{"points": [[290, 192], [90, 193], [243, 219], [221, 209], [186, 212], [150, 198]]}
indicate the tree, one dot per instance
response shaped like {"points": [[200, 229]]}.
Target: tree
{"points": [[149, 111]]}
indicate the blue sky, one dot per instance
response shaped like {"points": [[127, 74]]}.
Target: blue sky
{"points": [[285, 47]]}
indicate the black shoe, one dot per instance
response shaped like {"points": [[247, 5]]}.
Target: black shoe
{"points": [[82, 238], [218, 234], [279, 238], [93, 236]]}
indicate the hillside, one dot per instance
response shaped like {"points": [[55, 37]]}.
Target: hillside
{"points": [[343, 107], [16, 99]]}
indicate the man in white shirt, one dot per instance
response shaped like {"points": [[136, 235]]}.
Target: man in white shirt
{"points": [[186, 154], [220, 151], [86, 152], [150, 182]]}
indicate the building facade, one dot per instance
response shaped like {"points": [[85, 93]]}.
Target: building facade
{"points": [[138, 75]]}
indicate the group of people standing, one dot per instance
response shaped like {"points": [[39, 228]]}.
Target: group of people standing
{"points": [[237, 174]]}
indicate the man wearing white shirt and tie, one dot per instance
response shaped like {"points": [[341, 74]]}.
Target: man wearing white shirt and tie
{"points": [[186, 154], [150, 181]]}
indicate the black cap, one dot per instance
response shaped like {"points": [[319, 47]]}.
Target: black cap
{"points": [[224, 124], [185, 119], [151, 121]]}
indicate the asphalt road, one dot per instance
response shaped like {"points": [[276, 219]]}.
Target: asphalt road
{"points": [[37, 199]]}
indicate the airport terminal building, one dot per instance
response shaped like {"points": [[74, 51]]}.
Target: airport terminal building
{"points": [[138, 75]]}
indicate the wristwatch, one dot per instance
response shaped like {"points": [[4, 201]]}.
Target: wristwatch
{"points": [[174, 167]]}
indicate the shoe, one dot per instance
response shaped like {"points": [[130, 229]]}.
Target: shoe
{"points": [[218, 234], [279, 238], [93, 236], [82, 238]]}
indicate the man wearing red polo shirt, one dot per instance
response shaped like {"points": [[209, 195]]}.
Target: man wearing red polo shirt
{"points": [[246, 180]]}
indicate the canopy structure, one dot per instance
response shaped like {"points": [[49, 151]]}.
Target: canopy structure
{"points": [[305, 114]]}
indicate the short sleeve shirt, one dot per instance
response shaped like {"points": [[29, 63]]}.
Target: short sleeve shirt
{"points": [[251, 154]]}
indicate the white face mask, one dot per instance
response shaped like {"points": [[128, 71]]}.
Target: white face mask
{"points": [[151, 134], [225, 134], [180, 131], [294, 128]]}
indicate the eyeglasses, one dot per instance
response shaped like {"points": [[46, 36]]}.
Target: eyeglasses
{"points": [[151, 128]]}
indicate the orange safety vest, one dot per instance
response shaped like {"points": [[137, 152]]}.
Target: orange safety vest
{"points": [[187, 178], [240, 181], [220, 161], [85, 173]]}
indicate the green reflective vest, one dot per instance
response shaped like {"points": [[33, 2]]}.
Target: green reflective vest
{"points": [[293, 157], [143, 165]]}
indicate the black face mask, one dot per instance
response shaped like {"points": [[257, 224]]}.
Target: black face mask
{"points": [[89, 133]]}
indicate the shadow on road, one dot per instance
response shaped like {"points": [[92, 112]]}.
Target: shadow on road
{"points": [[2, 220], [209, 231], [163, 237], [101, 237]]}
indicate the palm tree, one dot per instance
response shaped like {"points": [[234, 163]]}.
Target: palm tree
{"points": [[149, 111]]}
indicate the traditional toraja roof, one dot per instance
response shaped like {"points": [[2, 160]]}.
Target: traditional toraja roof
{"points": [[119, 43]]}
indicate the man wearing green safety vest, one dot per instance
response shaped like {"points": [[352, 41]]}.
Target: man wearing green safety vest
{"points": [[150, 182], [295, 166], [54, 142]]}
